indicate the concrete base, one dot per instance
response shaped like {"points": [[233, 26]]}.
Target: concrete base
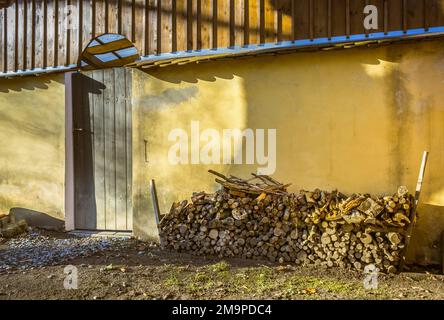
{"points": [[101, 234]]}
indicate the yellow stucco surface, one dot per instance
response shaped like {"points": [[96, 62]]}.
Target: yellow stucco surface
{"points": [[357, 120], [32, 152]]}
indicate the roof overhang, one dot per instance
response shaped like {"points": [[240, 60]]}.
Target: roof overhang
{"points": [[338, 42], [185, 57]]}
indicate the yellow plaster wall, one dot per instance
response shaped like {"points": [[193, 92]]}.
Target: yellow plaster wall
{"points": [[32, 152], [357, 120]]}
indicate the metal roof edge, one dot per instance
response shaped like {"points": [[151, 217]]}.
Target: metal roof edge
{"points": [[38, 71], [196, 55]]}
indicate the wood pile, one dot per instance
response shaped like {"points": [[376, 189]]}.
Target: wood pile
{"points": [[258, 218], [9, 227]]}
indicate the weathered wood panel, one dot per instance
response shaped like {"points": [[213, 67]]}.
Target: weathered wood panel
{"points": [[50, 33], [206, 26], [102, 150], [98, 111], [3, 25]]}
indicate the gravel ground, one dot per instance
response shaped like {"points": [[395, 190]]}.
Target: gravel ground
{"points": [[32, 267], [36, 249]]}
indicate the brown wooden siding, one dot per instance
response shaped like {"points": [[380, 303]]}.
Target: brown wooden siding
{"points": [[34, 33]]}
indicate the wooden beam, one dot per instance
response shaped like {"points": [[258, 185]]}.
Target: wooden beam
{"points": [[246, 22], [159, 27], [45, 33], [68, 36], [232, 19], [197, 25], [174, 26], [16, 36], [56, 32], [190, 25], [156, 207], [215, 30], [25, 35], [329, 20], [413, 211], [111, 46], [404, 15], [5, 40]]}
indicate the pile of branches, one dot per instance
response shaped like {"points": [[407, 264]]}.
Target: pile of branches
{"points": [[258, 218]]}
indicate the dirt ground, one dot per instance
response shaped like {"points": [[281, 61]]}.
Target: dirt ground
{"points": [[147, 272]]}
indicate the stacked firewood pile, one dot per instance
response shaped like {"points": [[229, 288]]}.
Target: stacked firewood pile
{"points": [[258, 218]]}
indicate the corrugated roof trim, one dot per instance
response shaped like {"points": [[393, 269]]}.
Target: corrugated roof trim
{"points": [[185, 57]]}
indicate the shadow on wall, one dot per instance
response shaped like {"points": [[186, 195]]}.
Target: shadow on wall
{"points": [[430, 221], [38, 219], [32, 152], [187, 72], [84, 182], [18, 84]]}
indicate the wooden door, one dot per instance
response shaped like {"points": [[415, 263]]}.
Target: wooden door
{"points": [[102, 150]]}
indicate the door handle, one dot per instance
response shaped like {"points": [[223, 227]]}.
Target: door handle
{"points": [[81, 130]]}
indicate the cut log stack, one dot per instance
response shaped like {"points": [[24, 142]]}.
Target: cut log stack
{"points": [[258, 218], [9, 227]]}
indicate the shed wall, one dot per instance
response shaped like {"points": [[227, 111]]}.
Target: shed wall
{"points": [[357, 120], [32, 151]]}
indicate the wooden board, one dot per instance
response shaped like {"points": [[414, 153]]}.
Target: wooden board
{"points": [[223, 23], [153, 26], [102, 150], [99, 148], [412, 216], [320, 18], [2, 38], [207, 26]]}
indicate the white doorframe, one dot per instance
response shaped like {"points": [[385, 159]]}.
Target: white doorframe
{"points": [[69, 156]]}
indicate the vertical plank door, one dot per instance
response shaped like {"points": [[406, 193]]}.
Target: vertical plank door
{"points": [[102, 150]]}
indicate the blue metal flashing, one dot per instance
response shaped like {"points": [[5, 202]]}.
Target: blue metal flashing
{"points": [[38, 71], [290, 45]]}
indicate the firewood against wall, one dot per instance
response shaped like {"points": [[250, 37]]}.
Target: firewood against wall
{"points": [[258, 218]]}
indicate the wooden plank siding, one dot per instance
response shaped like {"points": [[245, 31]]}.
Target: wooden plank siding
{"points": [[36, 33]]}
